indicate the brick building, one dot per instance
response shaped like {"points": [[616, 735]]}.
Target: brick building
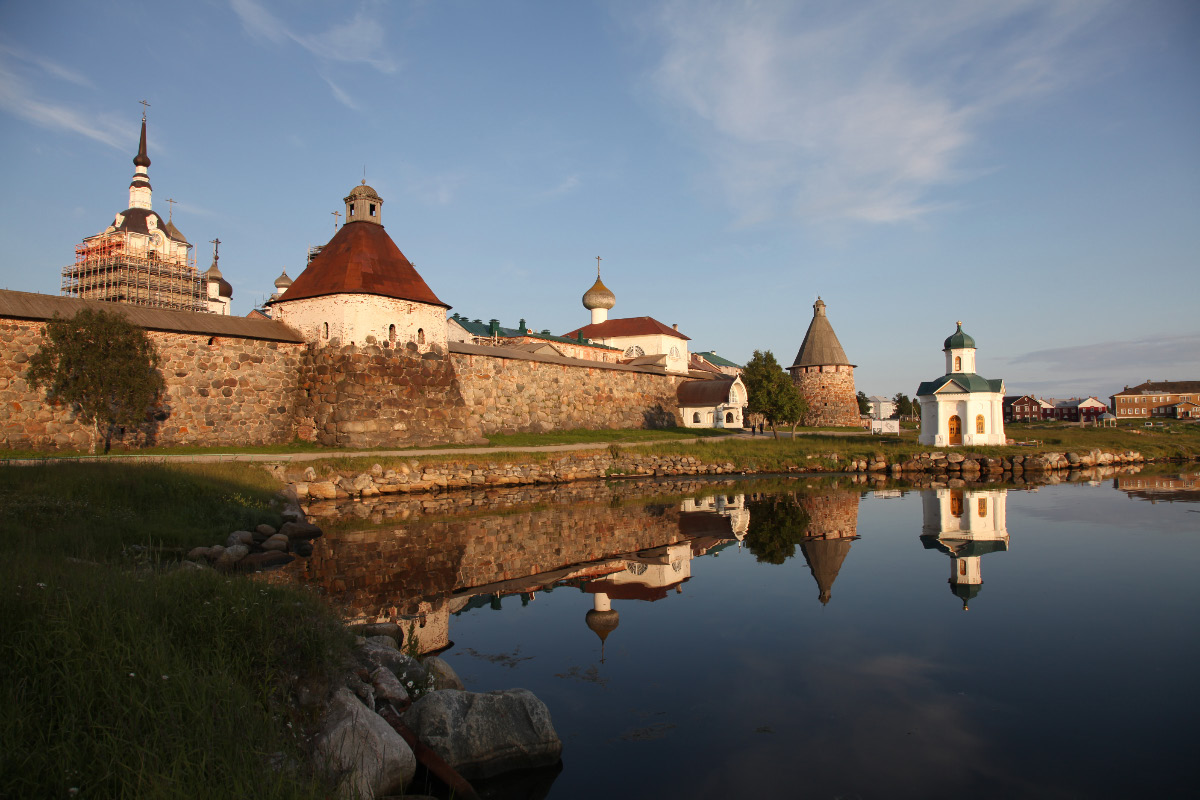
{"points": [[1175, 399]]}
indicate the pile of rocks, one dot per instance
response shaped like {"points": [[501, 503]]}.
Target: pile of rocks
{"points": [[393, 710], [262, 548]]}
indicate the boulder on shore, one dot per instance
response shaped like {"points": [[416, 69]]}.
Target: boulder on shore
{"points": [[361, 751], [486, 734]]}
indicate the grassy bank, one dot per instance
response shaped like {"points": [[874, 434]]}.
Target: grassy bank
{"points": [[125, 677]]}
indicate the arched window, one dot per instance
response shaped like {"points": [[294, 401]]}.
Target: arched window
{"points": [[696, 417], [980, 426], [325, 330], [956, 503], [391, 333], [729, 416], [420, 336], [958, 363]]}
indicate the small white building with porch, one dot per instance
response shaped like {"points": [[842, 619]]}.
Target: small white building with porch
{"points": [[961, 407], [713, 403]]}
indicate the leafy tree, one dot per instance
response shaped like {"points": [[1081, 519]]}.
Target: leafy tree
{"points": [[864, 405], [776, 526], [904, 406], [102, 366], [771, 391]]}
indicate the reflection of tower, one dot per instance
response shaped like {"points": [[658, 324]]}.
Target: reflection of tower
{"points": [[602, 619], [833, 525], [965, 524]]}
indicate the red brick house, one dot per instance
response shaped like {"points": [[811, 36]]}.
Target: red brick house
{"points": [[1177, 399]]}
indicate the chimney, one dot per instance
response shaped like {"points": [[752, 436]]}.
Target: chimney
{"points": [[494, 327], [523, 330], [675, 326]]}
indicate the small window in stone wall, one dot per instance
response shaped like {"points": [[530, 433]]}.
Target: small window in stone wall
{"points": [[980, 426], [372, 209], [325, 330], [729, 416], [420, 336], [696, 417], [391, 333]]}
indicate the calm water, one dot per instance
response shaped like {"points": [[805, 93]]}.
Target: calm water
{"points": [[812, 638]]}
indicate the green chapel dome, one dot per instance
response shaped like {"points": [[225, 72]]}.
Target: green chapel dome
{"points": [[958, 340]]}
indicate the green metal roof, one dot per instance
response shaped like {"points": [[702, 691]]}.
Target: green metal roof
{"points": [[716, 360], [480, 328], [958, 340], [968, 381]]}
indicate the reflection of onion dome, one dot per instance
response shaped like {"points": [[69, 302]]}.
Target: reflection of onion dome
{"points": [[599, 296], [603, 623], [958, 340], [283, 281], [965, 592]]}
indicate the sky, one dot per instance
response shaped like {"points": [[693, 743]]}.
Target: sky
{"points": [[1029, 167]]}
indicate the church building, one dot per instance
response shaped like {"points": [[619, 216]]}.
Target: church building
{"points": [[961, 407], [140, 259], [644, 340], [360, 289]]}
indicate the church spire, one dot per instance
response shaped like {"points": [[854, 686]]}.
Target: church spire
{"points": [[139, 187]]}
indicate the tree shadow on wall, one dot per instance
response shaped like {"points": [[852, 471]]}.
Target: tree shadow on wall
{"points": [[658, 418]]}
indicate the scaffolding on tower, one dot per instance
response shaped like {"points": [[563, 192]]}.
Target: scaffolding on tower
{"points": [[114, 268]]}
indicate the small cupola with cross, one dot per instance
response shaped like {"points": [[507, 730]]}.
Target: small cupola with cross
{"points": [[364, 204]]}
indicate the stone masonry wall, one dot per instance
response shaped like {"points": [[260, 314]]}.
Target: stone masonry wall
{"points": [[512, 395], [371, 396], [830, 395], [219, 391]]}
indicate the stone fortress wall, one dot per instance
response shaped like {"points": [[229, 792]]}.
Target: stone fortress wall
{"points": [[219, 391], [830, 393], [229, 390]]}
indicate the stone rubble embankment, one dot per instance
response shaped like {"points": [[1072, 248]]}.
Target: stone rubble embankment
{"points": [[415, 477]]}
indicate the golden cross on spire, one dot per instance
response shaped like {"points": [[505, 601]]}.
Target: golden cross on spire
{"points": [[337, 217], [171, 209], [597, 266], [145, 105], [216, 243]]}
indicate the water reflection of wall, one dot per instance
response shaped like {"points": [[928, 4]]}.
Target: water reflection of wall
{"points": [[832, 526], [422, 572], [965, 524], [1178, 487]]}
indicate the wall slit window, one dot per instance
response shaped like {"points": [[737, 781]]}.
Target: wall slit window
{"points": [[325, 330], [392, 333], [420, 336]]}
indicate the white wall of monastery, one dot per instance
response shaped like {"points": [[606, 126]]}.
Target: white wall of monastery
{"points": [[352, 318], [655, 344]]}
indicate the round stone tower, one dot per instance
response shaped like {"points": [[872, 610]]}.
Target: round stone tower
{"points": [[824, 376]]}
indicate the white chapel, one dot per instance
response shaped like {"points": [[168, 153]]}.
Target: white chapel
{"points": [[961, 407]]}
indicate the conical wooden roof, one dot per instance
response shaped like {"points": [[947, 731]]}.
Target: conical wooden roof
{"points": [[821, 346], [361, 259]]}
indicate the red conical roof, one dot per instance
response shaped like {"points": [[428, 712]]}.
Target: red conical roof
{"points": [[362, 259]]}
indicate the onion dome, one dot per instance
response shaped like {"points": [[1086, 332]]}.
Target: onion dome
{"points": [[958, 340], [213, 275], [599, 296], [603, 623], [283, 282]]}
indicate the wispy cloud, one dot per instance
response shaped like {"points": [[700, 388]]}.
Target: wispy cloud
{"points": [[340, 95], [856, 111], [17, 68], [568, 184], [359, 39], [1171, 353]]}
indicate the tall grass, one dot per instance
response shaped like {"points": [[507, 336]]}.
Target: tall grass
{"points": [[121, 676]]}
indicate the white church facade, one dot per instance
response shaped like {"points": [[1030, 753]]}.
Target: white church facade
{"points": [[961, 407]]}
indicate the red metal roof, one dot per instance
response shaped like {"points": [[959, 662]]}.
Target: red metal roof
{"points": [[361, 258], [629, 326]]}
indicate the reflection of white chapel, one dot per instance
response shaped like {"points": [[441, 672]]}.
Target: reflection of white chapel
{"points": [[961, 407], [965, 524]]}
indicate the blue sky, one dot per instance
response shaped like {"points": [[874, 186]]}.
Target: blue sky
{"points": [[1031, 167]]}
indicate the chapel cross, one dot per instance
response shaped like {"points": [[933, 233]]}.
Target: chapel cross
{"points": [[171, 212], [337, 217], [597, 266], [145, 105], [216, 243]]}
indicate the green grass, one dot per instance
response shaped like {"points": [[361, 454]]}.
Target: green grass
{"points": [[122, 677]]}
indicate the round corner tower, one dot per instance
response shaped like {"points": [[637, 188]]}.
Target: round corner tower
{"points": [[824, 376]]}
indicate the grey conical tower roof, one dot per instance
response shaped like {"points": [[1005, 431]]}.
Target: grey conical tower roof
{"points": [[825, 557], [821, 346]]}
